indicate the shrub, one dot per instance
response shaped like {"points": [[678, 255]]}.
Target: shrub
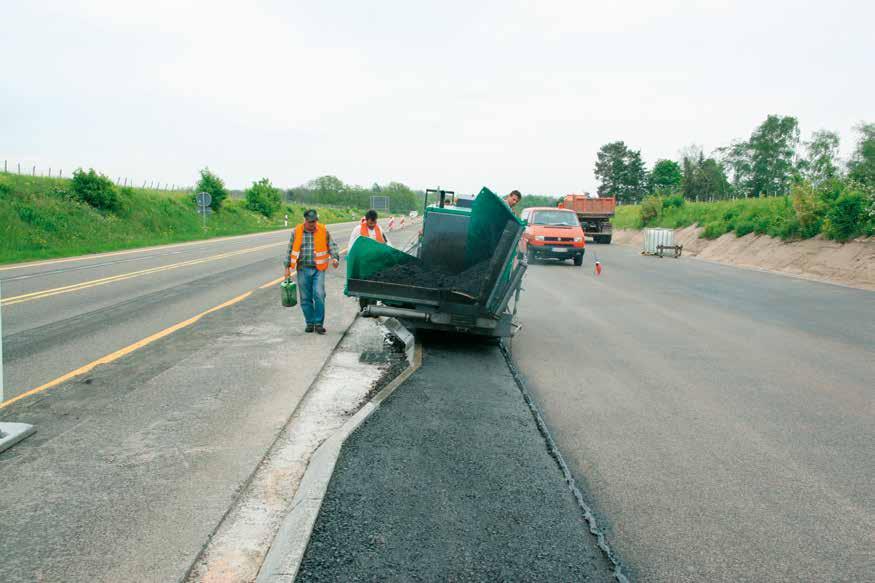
{"points": [[94, 189], [214, 186], [673, 201], [809, 209], [263, 198], [845, 219], [650, 209]]}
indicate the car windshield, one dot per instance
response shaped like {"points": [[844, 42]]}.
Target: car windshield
{"points": [[557, 218]]}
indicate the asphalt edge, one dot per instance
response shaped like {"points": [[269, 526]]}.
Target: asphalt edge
{"points": [[553, 449], [290, 543], [244, 487]]}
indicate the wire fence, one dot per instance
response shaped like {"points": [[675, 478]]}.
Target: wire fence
{"points": [[123, 181]]}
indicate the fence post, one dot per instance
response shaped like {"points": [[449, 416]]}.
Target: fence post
{"points": [[4, 166], [34, 171], [50, 171], [19, 167]]}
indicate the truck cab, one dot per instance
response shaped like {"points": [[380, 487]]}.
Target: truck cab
{"points": [[552, 233]]}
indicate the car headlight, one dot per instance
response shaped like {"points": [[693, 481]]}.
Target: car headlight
{"points": [[539, 237], [578, 239]]}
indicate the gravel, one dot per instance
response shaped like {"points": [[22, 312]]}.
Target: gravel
{"points": [[469, 281]]}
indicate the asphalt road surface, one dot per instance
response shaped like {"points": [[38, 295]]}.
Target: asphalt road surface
{"points": [[61, 315], [722, 419]]}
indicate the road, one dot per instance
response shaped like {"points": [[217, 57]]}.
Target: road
{"points": [[722, 420], [135, 463], [60, 315]]}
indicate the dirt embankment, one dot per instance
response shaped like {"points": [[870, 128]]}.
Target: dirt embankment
{"points": [[851, 264]]}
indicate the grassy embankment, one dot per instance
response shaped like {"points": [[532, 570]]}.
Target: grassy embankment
{"points": [[801, 216], [40, 219]]}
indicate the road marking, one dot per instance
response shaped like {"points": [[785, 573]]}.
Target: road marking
{"points": [[124, 351], [138, 250], [124, 276]]}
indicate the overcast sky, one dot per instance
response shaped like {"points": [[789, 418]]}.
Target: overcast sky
{"points": [[458, 94]]}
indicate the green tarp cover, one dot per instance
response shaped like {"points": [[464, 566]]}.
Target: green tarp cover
{"points": [[489, 216], [367, 257]]}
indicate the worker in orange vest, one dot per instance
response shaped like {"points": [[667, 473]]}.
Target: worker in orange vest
{"points": [[311, 249], [368, 228]]}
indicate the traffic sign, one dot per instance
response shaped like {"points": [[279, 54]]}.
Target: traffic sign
{"points": [[204, 199]]}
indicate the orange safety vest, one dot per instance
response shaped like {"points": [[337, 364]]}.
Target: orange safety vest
{"points": [[320, 247], [378, 233]]}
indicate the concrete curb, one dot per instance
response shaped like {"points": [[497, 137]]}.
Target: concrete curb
{"points": [[284, 557], [12, 433]]}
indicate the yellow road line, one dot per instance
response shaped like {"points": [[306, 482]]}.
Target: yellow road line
{"points": [[124, 276], [124, 351]]}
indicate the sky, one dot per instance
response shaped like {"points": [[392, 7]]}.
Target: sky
{"points": [[511, 95]]}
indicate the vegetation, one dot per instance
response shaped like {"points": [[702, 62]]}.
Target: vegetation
{"points": [[94, 189], [263, 198], [330, 190], [840, 211], [214, 186], [47, 217]]}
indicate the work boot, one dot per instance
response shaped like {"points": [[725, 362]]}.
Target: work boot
{"points": [[320, 329], [309, 328]]}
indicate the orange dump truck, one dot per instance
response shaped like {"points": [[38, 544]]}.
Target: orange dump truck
{"points": [[594, 215]]}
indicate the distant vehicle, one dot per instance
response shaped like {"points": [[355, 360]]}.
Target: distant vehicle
{"points": [[552, 233], [594, 215]]}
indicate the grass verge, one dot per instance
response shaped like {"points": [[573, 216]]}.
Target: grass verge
{"points": [[40, 219]]}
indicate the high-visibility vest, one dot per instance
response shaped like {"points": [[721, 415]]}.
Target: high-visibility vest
{"points": [[378, 233], [320, 247]]}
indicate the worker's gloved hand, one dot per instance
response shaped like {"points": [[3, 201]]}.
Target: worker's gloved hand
{"points": [[335, 262]]}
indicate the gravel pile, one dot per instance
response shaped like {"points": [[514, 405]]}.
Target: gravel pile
{"points": [[469, 281]]}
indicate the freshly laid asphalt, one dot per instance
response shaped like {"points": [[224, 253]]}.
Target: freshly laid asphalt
{"points": [[450, 480]]}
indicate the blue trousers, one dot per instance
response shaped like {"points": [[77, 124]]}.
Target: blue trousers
{"points": [[311, 287]]}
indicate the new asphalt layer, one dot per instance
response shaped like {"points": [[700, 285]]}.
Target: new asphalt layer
{"points": [[451, 480]]}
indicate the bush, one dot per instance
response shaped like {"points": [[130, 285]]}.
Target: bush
{"points": [[214, 186], [673, 201], [845, 219], [263, 198], [650, 209], [809, 209], [94, 189]]}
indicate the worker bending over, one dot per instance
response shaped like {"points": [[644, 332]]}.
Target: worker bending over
{"points": [[513, 198]]}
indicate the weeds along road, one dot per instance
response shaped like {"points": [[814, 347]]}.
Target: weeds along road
{"points": [[60, 315], [721, 419]]}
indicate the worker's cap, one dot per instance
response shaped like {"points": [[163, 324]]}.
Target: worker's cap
{"points": [[311, 215]]}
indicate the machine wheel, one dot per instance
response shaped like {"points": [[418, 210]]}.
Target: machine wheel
{"points": [[604, 239], [578, 260]]}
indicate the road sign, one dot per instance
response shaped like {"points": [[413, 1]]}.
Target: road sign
{"points": [[203, 202], [380, 203]]}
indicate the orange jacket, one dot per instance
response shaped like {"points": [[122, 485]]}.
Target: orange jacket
{"points": [[378, 233], [320, 247]]}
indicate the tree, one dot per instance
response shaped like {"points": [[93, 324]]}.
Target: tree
{"points": [[704, 179], [861, 167], [772, 150], [666, 177], [819, 164], [736, 158], [94, 189], [214, 186], [263, 198], [621, 173]]}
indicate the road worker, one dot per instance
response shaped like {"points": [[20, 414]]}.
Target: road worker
{"points": [[368, 228], [513, 198], [311, 249]]}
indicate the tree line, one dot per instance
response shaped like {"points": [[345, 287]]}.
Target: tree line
{"points": [[769, 163]]}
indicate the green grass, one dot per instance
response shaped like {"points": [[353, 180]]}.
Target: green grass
{"points": [[40, 220], [775, 216]]}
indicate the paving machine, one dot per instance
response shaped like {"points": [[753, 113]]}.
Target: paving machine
{"points": [[460, 276]]}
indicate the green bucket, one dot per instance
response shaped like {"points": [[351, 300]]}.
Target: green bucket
{"points": [[289, 290]]}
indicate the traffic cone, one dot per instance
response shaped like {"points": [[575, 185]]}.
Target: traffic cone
{"points": [[598, 268]]}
